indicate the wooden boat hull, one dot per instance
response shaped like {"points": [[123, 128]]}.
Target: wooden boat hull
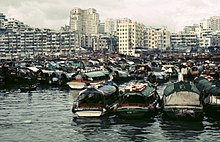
{"points": [[212, 109], [183, 112], [28, 88], [135, 112]]}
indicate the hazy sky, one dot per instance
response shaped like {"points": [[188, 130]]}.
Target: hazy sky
{"points": [[175, 14]]}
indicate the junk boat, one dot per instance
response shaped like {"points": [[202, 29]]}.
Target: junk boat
{"points": [[96, 100], [210, 91], [138, 100], [181, 100]]}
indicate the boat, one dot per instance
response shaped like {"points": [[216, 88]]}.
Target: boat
{"points": [[210, 91], [118, 74], [158, 77], [170, 70], [28, 87], [194, 72], [139, 71], [84, 77], [181, 101], [96, 100], [138, 100]]}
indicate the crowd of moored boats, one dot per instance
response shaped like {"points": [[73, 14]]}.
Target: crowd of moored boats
{"points": [[194, 88]]}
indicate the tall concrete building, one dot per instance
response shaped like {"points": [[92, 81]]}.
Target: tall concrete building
{"points": [[157, 38], [2, 22], [84, 21], [111, 26], [205, 24], [131, 36], [215, 23], [190, 29], [101, 28], [183, 40]]}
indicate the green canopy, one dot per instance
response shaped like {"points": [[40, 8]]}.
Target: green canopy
{"points": [[96, 74], [147, 91], [207, 87], [180, 86]]}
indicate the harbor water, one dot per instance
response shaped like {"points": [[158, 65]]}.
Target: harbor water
{"points": [[45, 115]]}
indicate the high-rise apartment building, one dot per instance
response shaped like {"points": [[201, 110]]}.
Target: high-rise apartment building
{"points": [[205, 24], [184, 40], [2, 22], [131, 36], [84, 21], [190, 29], [111, 26], [215, 23], [157, 38]]}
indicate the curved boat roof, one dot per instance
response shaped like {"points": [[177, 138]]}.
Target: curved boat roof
{"points": [[209, 87], [138, 88], [180, 86]]}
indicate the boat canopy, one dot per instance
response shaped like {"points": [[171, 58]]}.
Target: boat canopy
{"points": [[208, 87], [203, 84], [215, 91], [108, 89], [34, 69], [159, 75], [148, 91], [90, 94], [144, 89], [96, 74], [183, 98], [180, 86]]}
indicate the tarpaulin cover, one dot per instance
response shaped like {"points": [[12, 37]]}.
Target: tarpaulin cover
{"points": [[207, 86], [182, 98], [180, 86], [96, 74], [108, 89]]}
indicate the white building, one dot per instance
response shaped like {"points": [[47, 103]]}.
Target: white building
{"points": [[111, 26], [183, 40], [157, 38], [2, 21], [190, 29], [215, 23], [205, 24], [131, 36], [84, 21]]}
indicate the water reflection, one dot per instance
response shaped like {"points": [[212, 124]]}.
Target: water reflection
{"points": [[212, 123], [182, 130], [134, 130], [29, 97], [107, 126], [92, 128]]}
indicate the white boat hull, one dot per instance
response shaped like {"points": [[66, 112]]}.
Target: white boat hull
{"points": [[77, 85], [87, 113]]}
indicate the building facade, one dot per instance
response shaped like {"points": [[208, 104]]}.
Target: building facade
{"points": [[158, 38], [111, 26], [183, 40], [84, 21], [215, 23], [16, 38], [131, 36]]}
